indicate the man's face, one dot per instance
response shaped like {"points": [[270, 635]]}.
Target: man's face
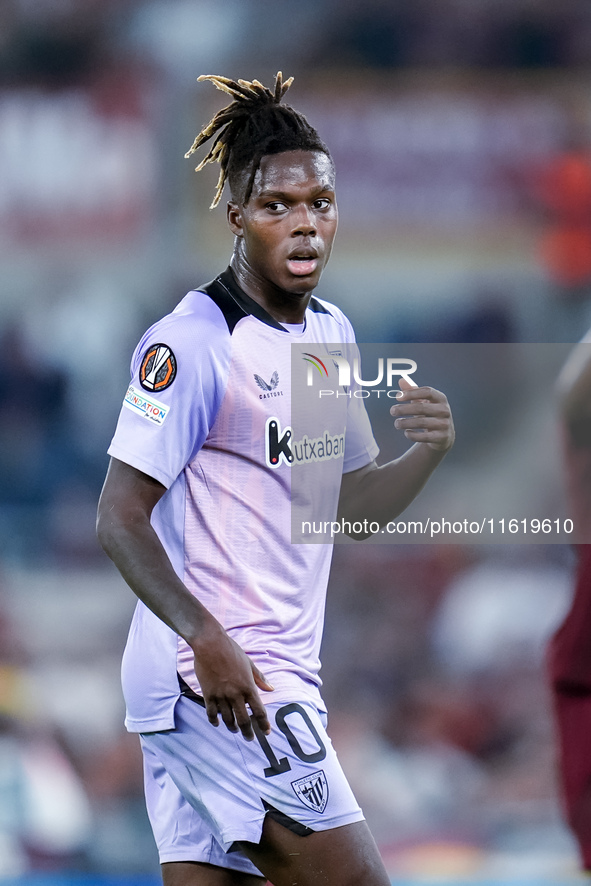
{"points": [[289, 223]]}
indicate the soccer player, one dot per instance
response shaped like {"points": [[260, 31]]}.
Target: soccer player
{"points": [[195, 512]]}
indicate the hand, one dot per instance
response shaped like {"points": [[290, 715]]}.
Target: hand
{"points": [[229, 681], [425, 416]]}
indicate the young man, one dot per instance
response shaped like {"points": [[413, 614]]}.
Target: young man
{"points": [[195, 512]]}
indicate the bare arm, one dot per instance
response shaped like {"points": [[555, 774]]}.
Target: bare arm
{"points": [[227, 677], [379, 494]]}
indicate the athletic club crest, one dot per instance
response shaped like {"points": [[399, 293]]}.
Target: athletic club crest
{"points": [[312, 790]]}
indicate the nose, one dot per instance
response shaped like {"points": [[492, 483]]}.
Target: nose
{"points": [[303, 222]]}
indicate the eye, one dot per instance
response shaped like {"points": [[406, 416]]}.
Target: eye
{"points": [[275, 206], [322, 203]]}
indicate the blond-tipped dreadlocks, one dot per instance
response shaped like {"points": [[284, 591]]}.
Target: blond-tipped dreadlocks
{"points": [[253, 125]]}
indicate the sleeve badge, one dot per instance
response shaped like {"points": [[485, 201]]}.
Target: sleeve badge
{"points": [[158, 368]]}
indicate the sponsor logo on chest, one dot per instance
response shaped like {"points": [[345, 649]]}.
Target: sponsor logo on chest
{"points": [[279, 448]]}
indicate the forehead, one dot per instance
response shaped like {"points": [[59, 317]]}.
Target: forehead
{"points": [[294, 170]]}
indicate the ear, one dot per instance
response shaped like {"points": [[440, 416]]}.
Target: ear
{"points": [[234, 218]]}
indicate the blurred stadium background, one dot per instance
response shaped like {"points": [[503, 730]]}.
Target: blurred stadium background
{"points": [[461, 132]]}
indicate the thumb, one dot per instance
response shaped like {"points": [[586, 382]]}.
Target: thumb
{"points": [[405, 385], [260, 680]]}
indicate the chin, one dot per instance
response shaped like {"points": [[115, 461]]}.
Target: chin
{"points": [[302, 285]]}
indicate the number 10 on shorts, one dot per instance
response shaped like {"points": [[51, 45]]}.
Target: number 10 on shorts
{"points": [[277, 766]]}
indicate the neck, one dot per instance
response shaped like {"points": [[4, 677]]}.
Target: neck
{"points": [[283, 306]]}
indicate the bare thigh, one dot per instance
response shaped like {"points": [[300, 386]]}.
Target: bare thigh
{"points": [[345, 856], [196, 873]]}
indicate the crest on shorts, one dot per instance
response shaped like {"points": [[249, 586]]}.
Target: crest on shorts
{"points": [[158, 368], [312, 790]]}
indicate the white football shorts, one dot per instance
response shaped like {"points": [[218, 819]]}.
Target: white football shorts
{"points": [[208, 788]]}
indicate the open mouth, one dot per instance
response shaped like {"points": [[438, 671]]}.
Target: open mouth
{"points": [[302, 264]]}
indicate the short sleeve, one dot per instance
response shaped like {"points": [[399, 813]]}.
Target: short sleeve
{"points": [[360, 445], [179, 373]]}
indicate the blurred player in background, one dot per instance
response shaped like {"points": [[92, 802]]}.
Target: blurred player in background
{"points": [[195, 512], [570, 648]]}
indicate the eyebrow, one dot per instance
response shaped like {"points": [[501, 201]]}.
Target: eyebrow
{"points": [[286, 196]]}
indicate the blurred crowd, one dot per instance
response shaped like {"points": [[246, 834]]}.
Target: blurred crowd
{"points": [[461, 132], [61, 41], [434, 661], [433, 675]]}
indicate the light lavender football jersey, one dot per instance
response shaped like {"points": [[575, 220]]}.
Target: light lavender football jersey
{"points": [[208, 414]]}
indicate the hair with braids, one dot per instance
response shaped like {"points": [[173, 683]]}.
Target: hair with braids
{"points": [[252, 126]]}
